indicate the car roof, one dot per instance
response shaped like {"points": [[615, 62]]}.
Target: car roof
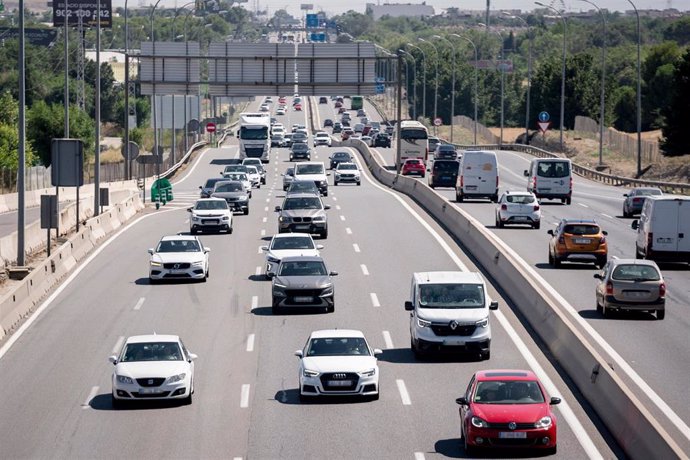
{"points": [[505, 374], [179, 237], [302, 195], [302, 259], [579, 221], [210, 199], [152, 338], [448, 277], [290, 235], [645, 262], [334, 333]]}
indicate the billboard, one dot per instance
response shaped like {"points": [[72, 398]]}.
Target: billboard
{"points": [[87, 10]]}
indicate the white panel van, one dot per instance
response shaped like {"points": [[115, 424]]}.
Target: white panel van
{"points": [[477, 176], [663, 230], [550, 178]]}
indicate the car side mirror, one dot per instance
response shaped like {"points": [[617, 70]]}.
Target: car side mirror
{"points": [[150, 251], [550, 232], [112, 359], [207, 249], [277, 209], [625, 194], [635, 224], [191, 357], [327, 206], [378, 351], [264, 248], [598, 276], [200, 187], [493, 305], [333, 274], [555, 401], [525, 173], [189, 209], [604, 232], [299, 354], [461, 400], [328, 174], [408, 306]]}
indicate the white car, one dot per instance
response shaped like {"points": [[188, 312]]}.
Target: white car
{"points": [[254, 176], [210, 214], [322, 138], [152, 367], [518, 207], [178, 257], [280, 111], [338, 362], [256, 162], [264, 107], [347, 172], [287, 245], [367, 140], [241, 177]]}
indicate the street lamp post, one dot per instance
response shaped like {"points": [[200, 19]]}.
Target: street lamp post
{"points": [[529, 74], [97, 103], [423, 78], [560, 15], [639, 94], [502, 70], [476, 94], [436, 81], [414, 80], [186, 98], [452, 88], [156, 141], [602, 97]]}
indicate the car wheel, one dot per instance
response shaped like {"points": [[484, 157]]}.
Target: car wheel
{"points": [[550, 259], [375, 397], [325, 193], [499, 224], [246, 211], [304, 398], [556, 261], [625, 213], [188, 400], [324, 234], [152, 281], [485, 355], [258, 185], [660, 314], [335, 182], [418, 353], [494, 199], [458, 197], [537, 225], [469, 450], [605, 312], [230, 231], [359, 183], [552, 450], [275, 309], [193, 231], [601, 262], [568, 200]]}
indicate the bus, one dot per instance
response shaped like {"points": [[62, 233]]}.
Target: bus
{"points": [[356, 102], [413, 140]]}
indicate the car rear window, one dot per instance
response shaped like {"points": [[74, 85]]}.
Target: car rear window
{"points": [[635, 273], [553, 169], [520, 199], [581, 229], [446, 166]]}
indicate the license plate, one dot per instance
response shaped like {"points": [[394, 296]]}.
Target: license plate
{"points": [[149, 391], [582, 240], [454, 343], [211, 222], [471, 187], [301, 227], [445, 178], [635, 295], [520, 218], [664, 240], [304, 299], [512, 435], [340, 383]]}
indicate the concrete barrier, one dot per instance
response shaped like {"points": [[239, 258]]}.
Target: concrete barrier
{"points": [[642, 432]]}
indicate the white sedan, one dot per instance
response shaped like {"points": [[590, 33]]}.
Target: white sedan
{"points": [[178, 257], [287, 245], [152, 367], [338, 362], [518, 207], [210, 214]]}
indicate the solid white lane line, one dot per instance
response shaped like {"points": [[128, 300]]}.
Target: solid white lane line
{"points": [[265, 219], [140, 302], [92, 394], [374, 299], [419, 456], [258, 271], [404, 395], [244, 396], [250, 342], [583, 205], [342, 217], [118, 344], [255, 302], [355, 246], [387, 339], [348, 231], [365, 271], [263, 232]]}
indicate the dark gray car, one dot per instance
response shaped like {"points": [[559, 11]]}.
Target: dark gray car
{"points": [[300, 151], [634, 200], [303, 281], [207, 188], [234, 194], [304, 213]]}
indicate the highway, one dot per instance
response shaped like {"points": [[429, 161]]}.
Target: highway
{"points": [[659, 351], [56, 377]]}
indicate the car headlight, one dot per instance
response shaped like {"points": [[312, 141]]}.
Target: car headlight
{"points": [[199, 263], [327, 290], [308, 373], [284, 219], [243, 197], [195, 218], [177, 378], [368, 372], [226, 217], [422, 322], [479, 423], [483, 322], [544, 422], [155, 264], [319, 219], [124, 379]]}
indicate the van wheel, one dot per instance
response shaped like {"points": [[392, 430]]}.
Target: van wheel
{"points": [[418, 354], [494, 199], [458, 197], [660, 314], [568, 200], [537, 225]]}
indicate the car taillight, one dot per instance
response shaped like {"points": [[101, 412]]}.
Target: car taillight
{"points": [[571, 184], [637, 200], [662, 289], [496, 180], [536, 207], [504, 207], [609, 288], [534, 183], [462, 181], [602, 240]]}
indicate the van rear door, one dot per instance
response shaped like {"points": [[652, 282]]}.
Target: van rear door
{"points": [[683, 226], [553, 178], [479, 171], [664, 225]]}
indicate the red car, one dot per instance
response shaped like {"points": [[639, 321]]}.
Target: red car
{"points": [[507, 408], [413, 166], [282, 100], [298, 107], [345, 134]]}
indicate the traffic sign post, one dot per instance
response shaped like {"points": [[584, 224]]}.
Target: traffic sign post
{"points": [[544, 116], [438, 122], [544, 126], [210, 128]]}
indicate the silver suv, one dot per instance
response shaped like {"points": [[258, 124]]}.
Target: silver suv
{"points": [[304, 213]]}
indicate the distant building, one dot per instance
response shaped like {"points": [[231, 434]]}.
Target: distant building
{"points": [[394, 10]]}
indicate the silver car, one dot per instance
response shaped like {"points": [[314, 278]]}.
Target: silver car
{"points": [[303, 281], [303, 213], [630, 284], [634, 200], [288, 177]]}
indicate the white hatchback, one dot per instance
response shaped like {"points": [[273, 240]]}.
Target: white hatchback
{"points": [[210, 214], [287, 245], [518, 207]]}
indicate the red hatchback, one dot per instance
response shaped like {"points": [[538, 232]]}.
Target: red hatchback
{"points": [[413, 166], [298, 107], [507, 408]]}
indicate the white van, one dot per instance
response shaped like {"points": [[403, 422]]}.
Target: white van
{"points": [[663, 230], [550, 178], [477, 176], [449, 311]]}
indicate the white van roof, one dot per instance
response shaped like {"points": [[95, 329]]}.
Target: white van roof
{"points": [[551, 159], [668, 198], [448, 277]]}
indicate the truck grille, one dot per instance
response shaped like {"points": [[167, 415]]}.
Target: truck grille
{"points": [[254, 152]]}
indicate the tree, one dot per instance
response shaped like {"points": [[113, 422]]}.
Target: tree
{"points": [[677, 127], [46, 122], [355, 24], [624, 108], [657, 77], [9, 134]]}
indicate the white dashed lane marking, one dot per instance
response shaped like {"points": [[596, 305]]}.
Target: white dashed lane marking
{"points": [[348, 231], [255, 302], [583, 205], [258, 271], [118, 344], [404, 395], [356, 247], [365, 271], [342, 217], [92, 394], [374, 299], [244, 396], [140, 302], [250, 342], [387, 339]]}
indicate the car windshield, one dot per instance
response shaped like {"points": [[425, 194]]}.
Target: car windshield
{"points": [[228, 187], [237, 176], [413, 162], [451, 296], [211, 182], [338, 346], [342, 166], [447, 166], [553, 169], [252, 170], [520, 199], [634, 272], [508, 392], [581, 229], [302, 203], [300, 147], [303, 268], [341, 156], [414, 134], [292, 242], [309, 169], [446, 148], [235, 168], [178, 246], [211, 204], [302, 186], [151, 351]]}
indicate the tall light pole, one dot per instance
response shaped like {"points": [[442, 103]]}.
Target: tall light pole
{"points": [[186, 98], [560, 15], [155, 122], [174, 131], [128, 161], [414, 80], [529, 73], [423, 78], [452, 87], [436, 82], [476, 94], [639, 94], [502, 70], [97, 156], [21, 131], [602, 97]]}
